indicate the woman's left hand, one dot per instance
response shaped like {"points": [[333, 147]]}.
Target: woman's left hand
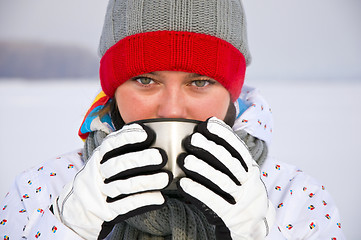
{"points": [[223, 180]]}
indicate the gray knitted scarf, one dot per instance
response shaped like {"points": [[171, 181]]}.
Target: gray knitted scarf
{"points": [[177, 220]]}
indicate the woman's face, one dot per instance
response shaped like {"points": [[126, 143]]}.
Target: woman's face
{"points": [[171, 94]]}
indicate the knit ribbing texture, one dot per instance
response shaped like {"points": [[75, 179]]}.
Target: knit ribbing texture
{"points": [[224, 19], [173, 51], [128, 33]]}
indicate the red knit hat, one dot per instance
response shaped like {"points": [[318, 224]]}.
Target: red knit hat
{"points": [[188, 42]]}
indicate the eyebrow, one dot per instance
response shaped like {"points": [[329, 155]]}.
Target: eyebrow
{"points": [[192, 75]]}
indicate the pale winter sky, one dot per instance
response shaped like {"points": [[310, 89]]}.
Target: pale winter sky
{"points": [[289, 39]]}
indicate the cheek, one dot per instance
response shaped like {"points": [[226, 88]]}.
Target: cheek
{"points": [[133, 107], [210, 107]]}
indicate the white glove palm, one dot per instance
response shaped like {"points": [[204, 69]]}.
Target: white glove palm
{"points": [[121, 179], [222, 176]]}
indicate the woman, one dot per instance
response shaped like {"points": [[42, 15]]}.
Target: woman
{"points": [[172, 59]]}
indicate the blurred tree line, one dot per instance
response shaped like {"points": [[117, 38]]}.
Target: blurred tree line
{"points": [[34, 60]]}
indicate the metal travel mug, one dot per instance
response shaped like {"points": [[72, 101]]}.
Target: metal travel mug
{"points": [[170, 133]]}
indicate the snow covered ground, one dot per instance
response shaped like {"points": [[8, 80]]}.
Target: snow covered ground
{"points": [[317, 127]]}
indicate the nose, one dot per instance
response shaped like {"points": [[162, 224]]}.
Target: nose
{"points": [[172, 104]]}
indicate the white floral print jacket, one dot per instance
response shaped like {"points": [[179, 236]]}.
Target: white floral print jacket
{"points": [[304, 208]]}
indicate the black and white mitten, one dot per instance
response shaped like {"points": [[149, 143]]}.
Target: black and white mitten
{"points": [[123, 178], [222, 176]]}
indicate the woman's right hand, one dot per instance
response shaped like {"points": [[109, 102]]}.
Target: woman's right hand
{"points": [[123, 178]]}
